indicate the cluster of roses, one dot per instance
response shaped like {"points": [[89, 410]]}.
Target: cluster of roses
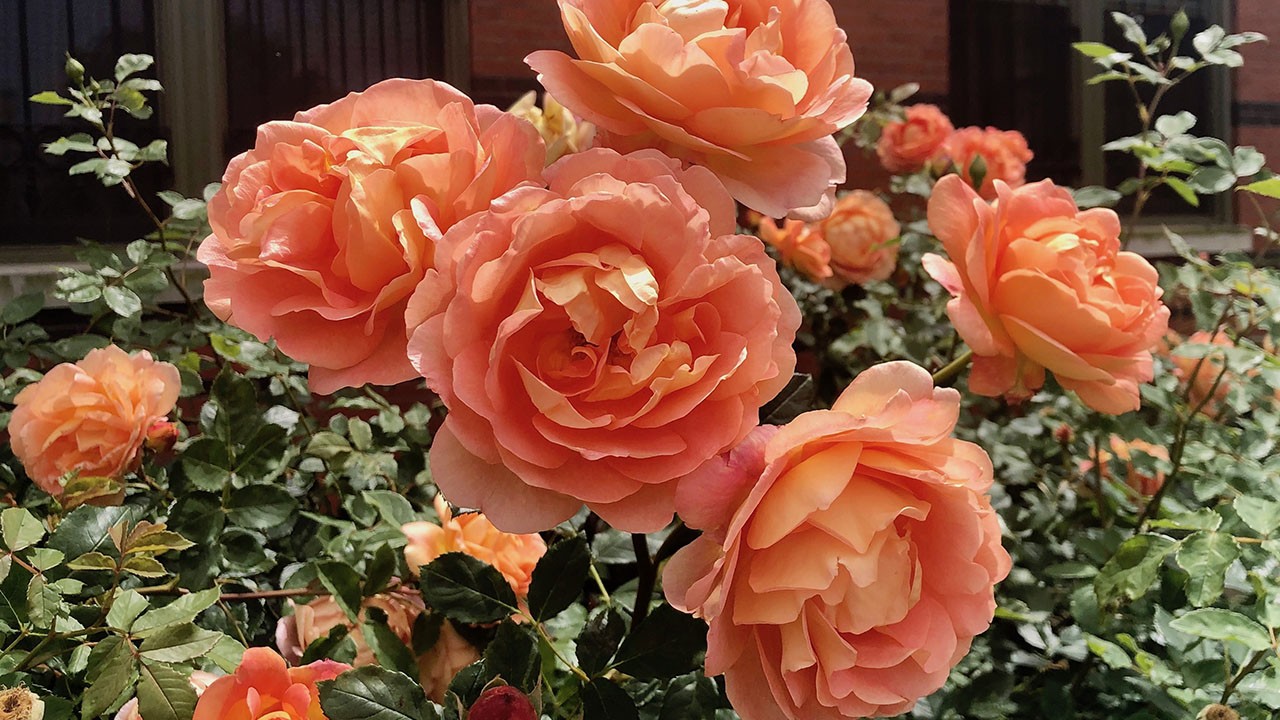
{"points": [[926, 139], [602, 336]]}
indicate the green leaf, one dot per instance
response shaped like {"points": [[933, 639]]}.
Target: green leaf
{"points": [[145, 567], [20, 529], [387, 647], [160, 542], [93, 561], [261, 506], [393, 507], [1110, 653], [49, 97], [1184, 191], [44, 604], [1261, 515], [22, 308], [374, 693], [343, 582], [165, 693], [1247, 161], [111, 667], [1218, 624], [207, 464], [1201, 519], [1269, 187], [1134, 567], [126, 608], [1131, 29], [513, 656], [1096, 196], [337, 645], [465, 589], [604, 700], [178, 643], [131, 63], [558, 578], [122, 301], [1206, 556], [667, 643], [1211, 180], [1093, 49], [180, 611], [380, 569], [85, 529], [1173, 125], [599, 640]]}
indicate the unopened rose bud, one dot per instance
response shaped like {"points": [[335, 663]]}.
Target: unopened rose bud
{"points": [[20, 704], [502, 703], [1218, 712], [1064, 434], [75, 70], [161, 436]]}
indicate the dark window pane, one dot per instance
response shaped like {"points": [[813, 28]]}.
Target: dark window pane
{"points": [[39, 203], [288, 55]]}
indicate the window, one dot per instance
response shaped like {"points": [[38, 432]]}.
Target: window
{"points": [[1004, 75], [227, 66]]}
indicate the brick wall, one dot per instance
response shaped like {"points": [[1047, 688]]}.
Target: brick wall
{"points": [[1257, 90]]}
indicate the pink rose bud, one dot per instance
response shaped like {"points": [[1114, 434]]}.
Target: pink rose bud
{"points": [[502, 703], [161, 436]]}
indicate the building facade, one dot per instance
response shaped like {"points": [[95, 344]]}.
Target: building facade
{"points": [[229, 65]]}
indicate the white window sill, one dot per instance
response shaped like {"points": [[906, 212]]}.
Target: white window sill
{"points": [[1149, 238]]}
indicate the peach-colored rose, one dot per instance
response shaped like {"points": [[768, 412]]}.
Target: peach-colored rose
{"points": [[910, 145], [512, 555], [438, 666], [263, 687], [561, 131], [1202, 372], [1143, 483], [322, 230], [1004, 152], [314, 620], [852, 558], [801, 246], [91, 417], [597, 340], [1039, 284], [752, 89], [199, 679], [862, 234]]}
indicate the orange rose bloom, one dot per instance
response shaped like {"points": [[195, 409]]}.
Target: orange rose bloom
{"points": [[199, 679], [91, 417], [561, 131], [314, 620], [264, 688], [512, 555], [1203, 381], [322, 230], [438, 666], [1005, 153], [910, 145], [801, 246], [751, 89], [859, 557], [1039, 284], [861, 232], [597, 340], [1142, 483]]}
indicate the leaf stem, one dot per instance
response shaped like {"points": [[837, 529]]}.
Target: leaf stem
{"points": [[952, 369]]}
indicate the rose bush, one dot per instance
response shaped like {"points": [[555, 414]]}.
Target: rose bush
{"points": [[597, 345]]}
